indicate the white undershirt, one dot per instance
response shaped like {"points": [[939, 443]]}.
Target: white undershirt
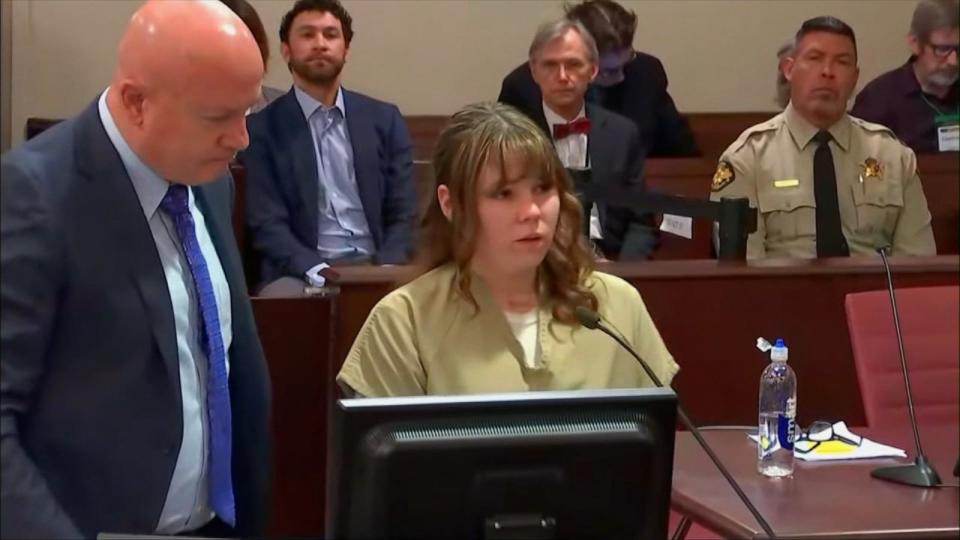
{"points": [[572, 151], [524, 326]]}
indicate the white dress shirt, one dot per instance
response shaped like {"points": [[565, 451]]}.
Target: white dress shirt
{"points": [[187, 504], [572, 151]]}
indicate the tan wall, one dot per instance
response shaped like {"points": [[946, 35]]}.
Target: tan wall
{"points": [[5, 82], [432, 56]]}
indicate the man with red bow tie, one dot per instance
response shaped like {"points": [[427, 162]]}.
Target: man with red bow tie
{"points": [[563, 61]]}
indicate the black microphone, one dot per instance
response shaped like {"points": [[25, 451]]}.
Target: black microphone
{"points": [[591, 319], [921, 472]]}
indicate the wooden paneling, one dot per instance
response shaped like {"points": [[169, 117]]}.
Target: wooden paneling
{"points": [[424, 131], [713, 132], [297, 337], [940, 175]]}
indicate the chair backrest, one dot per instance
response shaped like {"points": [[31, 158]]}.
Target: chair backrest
{"points": [[930, 323]]}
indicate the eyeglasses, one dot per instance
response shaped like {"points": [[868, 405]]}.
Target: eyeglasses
{"points": [[943, 50], [819, 433]]}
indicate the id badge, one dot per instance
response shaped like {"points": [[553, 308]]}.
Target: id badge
{"points": [[948, 138]]}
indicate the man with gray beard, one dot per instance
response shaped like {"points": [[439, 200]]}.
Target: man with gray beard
{"points": [[919, 100], [328, 170]]}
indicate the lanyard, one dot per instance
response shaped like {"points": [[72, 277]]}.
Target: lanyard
{"points": [[941, 117]]}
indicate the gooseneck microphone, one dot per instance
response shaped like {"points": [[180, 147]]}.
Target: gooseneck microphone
{"points": [[921, 472], [591, 319]]}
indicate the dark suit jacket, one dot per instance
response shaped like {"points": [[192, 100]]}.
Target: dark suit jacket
{"points": [[90, 409], [616, 160], [283, 186], [641, 97]]}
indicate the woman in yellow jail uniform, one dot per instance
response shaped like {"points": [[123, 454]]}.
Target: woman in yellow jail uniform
{"points": [[502, 267]]}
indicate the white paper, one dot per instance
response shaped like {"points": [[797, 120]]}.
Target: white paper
{"points": [[948, 138], [678, 225], [867, 448]]}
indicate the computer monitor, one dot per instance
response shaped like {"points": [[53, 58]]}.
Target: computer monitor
{"points": [[583, 464]]}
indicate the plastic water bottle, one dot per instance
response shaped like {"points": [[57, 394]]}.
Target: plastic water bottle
{"points": [[778, 413]]}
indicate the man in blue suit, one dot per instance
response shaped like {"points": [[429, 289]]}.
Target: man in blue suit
{"points": [[134, 394], [328, 170]]}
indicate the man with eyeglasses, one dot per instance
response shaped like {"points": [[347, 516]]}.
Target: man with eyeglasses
{"points": [[629, 83], [918, 100], [595, 145]]}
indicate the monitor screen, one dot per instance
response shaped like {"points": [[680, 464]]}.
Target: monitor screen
{"points": [[583, 464]]}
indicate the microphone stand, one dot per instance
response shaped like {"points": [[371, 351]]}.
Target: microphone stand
{"points": [[920, 473], [591, 320]]}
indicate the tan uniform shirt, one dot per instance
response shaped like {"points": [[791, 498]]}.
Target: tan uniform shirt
{"points": [[879, 193], [424, 338]]}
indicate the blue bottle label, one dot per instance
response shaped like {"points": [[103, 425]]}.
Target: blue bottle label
{"points": [[786, 431]]}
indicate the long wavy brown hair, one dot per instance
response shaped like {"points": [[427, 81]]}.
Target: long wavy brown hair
{"points": [[476, 135]]}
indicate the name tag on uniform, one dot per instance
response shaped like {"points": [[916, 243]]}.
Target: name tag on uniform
{"points": [[678, 225], [789, 182], [948, 138]]}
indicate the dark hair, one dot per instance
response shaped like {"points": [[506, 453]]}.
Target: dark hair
{"points": [[831, 25], [332, 7], [249, 16], [932, 15], [611, 25]]}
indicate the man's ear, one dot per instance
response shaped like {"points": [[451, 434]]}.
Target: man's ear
{"points": [[787, 67], [533, 71], [443, 197], [133, 101], [914, 43], [595, 69]]}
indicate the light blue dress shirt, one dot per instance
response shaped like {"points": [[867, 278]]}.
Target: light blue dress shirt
{"points": [[187, 503], [342, 230]]}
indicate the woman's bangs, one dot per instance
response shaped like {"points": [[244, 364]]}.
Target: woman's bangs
{"points": [[526, 157]]}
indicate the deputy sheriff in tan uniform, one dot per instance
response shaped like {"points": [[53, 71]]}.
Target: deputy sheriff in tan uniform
{"points": [[879, 199]]}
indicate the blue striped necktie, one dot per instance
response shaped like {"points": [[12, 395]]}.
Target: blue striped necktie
{"points": [[175, 204]]}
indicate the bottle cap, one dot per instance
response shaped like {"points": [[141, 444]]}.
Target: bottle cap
{"points": [[779, 351]]}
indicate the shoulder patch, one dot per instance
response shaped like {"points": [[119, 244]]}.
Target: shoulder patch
{"points": [[723, 177]]}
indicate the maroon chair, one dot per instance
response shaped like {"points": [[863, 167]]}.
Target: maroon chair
{"points": [[930, 322]]}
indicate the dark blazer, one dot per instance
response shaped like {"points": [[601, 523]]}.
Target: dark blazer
{"points": [[90, 409], [283, 186], [616, 159], [641, 97]]}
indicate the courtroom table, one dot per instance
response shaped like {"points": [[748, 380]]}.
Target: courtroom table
{"points": [[821, 500], [297, 338], [710, 314]]}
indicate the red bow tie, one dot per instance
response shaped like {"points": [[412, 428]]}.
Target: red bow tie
{"points": [[580, 125]]}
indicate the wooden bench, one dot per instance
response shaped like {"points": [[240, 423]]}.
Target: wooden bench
{"points": [[691, 177], [713, 132]]}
